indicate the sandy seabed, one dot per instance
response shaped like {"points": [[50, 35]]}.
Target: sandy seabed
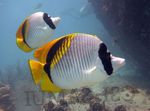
{"points": [[102, 97]]}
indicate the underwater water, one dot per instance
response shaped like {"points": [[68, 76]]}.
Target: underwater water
{"points": [[127, 90]]}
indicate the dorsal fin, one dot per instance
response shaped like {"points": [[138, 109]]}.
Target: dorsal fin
{"points": [[41, 53]]}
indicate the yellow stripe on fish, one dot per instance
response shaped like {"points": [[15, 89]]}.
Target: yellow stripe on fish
{"points": [[21, 35], [42, 52], [62, 50]]}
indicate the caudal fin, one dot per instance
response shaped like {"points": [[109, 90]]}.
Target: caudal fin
{"points": [[36, 70], [40, 77]]}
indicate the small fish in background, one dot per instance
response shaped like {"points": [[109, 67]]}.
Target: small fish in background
{"points": [[86, 10], [83, 12], [38, 6], [35, 31], [73, 61]]}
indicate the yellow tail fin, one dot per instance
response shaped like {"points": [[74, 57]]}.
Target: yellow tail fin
{"points": [[40, 76], [36, 70]]}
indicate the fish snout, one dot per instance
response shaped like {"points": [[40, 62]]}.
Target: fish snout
{"points": [[56, 20], [117, 62]]}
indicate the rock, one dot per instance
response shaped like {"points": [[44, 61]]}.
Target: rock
{"points": [[86, 91], [58, 108], [63, 103], [83, 95], [4, 89], [132, 89], [128, 22], [85, 98], [61, 108], [148, 92], [110, 90], [97, 107], [95, 99], [120, 108], [6, 103], [49, 106]]}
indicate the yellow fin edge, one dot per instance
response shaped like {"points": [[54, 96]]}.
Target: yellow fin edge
{"points": [[19, 39], [41, 77], [41, 53]]}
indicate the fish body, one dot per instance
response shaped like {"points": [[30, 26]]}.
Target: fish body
{"points": [[72, 61], [35, 31]]}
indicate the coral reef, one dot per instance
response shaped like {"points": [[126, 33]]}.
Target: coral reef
{"points": [[127, 98], [131, 17], [128, 23], [120, 108], [6, 103]]}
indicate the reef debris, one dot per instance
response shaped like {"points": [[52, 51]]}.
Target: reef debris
{"points": [[114, 98], [6, 102]]}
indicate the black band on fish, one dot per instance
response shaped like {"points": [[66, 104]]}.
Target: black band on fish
{"points": [[105, 58], [51, 55], [23, 32], [47, 70], [48, 21], [53, 50]]}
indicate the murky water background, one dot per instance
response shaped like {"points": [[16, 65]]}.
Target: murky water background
{"points": [[76, 16]]}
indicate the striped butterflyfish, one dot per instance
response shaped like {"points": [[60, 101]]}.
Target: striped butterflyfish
{"points": [[73, 61], [35, 31]]}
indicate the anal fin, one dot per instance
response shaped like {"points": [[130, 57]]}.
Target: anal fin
{"points": [[48, 86], [36, 70]]}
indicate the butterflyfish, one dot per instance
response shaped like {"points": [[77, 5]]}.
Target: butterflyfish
{"points": [[73, 61], [35, 31]]}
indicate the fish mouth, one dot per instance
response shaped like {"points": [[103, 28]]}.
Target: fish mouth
{"points": [[56, 20], [122, 62]]}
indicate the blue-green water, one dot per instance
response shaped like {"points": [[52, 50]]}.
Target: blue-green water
{"points": [[13, 62], [14, 12]]}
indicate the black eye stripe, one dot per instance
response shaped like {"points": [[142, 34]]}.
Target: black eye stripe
{"points": [[48, 21], [103, 48], [105, 58]]}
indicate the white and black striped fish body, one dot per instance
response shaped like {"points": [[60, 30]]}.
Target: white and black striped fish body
{"points": [[35, 31], [73, 61], [42, 27], [78, 65]]}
